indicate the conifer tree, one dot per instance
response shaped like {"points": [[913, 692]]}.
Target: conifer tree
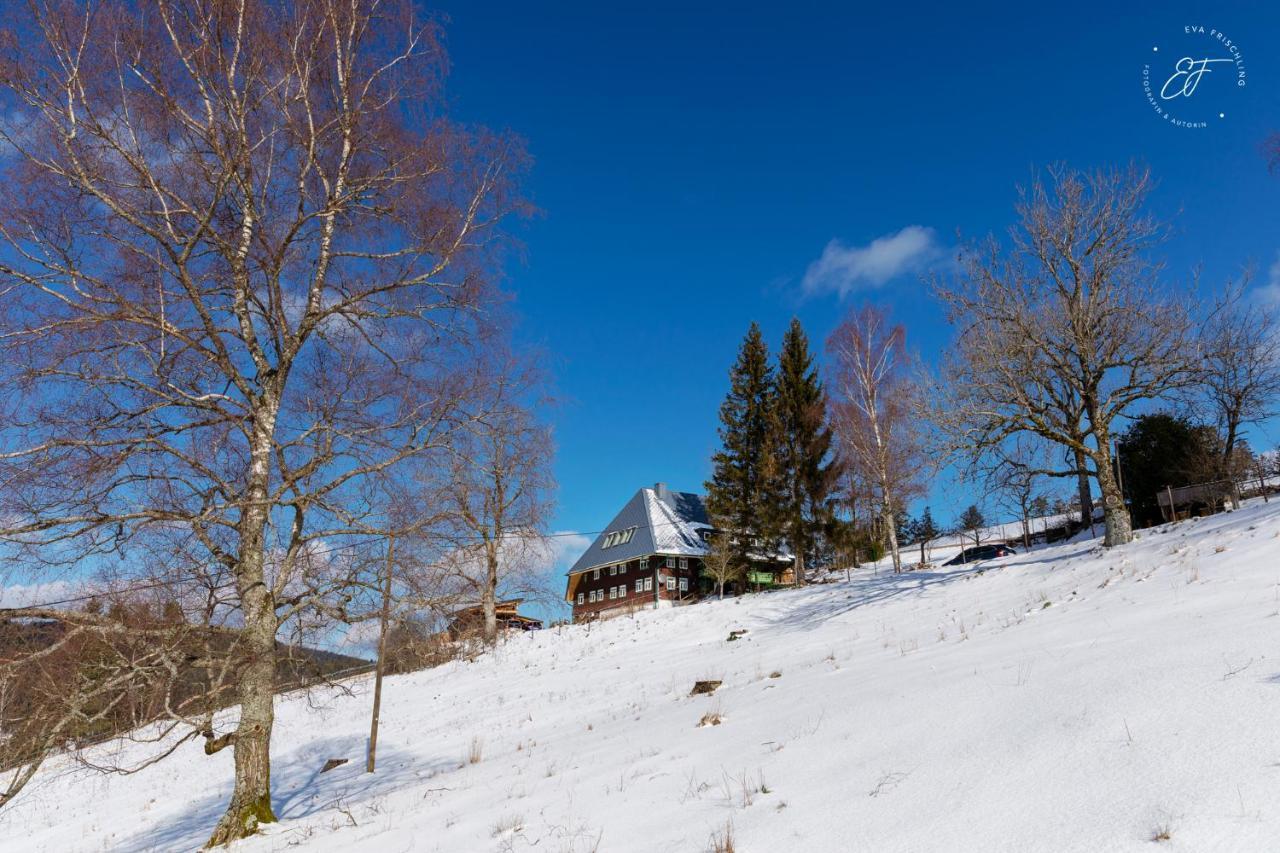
{"points": [[926, 531], [743, 490], [971, 523], [804, 449]]}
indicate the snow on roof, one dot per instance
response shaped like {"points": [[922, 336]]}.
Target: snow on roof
{"points": [[655, 521], [677, 520]]}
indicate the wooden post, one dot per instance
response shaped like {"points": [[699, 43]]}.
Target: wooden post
{"points": [[1173, 512], [382, 654]]}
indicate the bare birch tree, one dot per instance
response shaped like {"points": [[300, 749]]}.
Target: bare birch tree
{"points": [[1072, 312], [239, 243], [875, 406]]}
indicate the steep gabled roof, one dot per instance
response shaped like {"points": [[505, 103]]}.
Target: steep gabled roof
{"points": [[655, 521]]}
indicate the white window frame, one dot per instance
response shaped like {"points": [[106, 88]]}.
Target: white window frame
{"points": [[613, 570], [581, 598], [622, 569], [639, 584], [622, 591], [648, 584], [684, 563], [671, 562], [684, 584], [671, 584], [613, 592], [644, 563], [596, 576]]}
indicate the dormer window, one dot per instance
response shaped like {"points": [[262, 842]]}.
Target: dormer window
{"points": [[618, 537]]}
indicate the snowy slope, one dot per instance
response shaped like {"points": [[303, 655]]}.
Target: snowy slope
{"points": [[1065, 699]]}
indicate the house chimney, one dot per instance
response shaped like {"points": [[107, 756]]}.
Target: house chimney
{"points": [[660, 489]]}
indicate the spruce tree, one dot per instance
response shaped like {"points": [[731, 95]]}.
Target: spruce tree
{"points": [[972, 521], [743, 490], [926, 531], [804, 449]]}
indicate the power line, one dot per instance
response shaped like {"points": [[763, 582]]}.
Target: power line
{"points": [[158, 584]]}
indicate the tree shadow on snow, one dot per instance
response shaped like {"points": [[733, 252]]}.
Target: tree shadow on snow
{"points": [[299, 789], [873, 589]]}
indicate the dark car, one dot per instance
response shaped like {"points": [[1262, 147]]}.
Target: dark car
{"points": [[981, 552]]}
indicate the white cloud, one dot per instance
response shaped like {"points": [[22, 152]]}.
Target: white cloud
{"points": [[1270, 292], [843, 269], [568, 546], [26, 595]]}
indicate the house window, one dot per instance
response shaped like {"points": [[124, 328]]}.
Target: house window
{"points": [[671, 562], [580, 597], [639, 584], [648, 583], [671, 584], [684, 584], [622, 591], [684, 563], [622, 570], [613, 592], [596, 576], [644, 563], [613, 570]]}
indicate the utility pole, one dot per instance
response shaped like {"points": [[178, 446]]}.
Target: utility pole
{"points": [[382, 654]]}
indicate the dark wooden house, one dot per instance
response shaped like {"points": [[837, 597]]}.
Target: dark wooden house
{"points": [[470, 620], [649, 556]]}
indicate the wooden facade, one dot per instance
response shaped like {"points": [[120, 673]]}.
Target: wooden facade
{"points": [[653, 581], [470, 620]]}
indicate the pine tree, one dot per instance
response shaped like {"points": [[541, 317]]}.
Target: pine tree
{"points": [[926, 531], [744, 486], [804, 449], [971, 522]]}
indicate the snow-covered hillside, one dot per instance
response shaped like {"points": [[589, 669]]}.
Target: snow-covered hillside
{"points": [[1065, 699]]}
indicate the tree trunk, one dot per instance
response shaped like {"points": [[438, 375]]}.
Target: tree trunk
{"points": [[489, 597], [798, 568], [250, 804], [371, 761], [891, 536], [1082, 483], [922, 552], [1116, 515]]}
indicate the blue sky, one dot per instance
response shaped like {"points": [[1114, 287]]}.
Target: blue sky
{"points": [[691, 164]]}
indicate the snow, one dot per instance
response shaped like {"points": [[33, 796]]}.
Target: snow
{"points": [[671, 533], [1068, 698]]}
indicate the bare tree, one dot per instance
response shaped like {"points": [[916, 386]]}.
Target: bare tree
{"points": [[1240, 367], [875, 405], [721, 562], [240, 245], [498, 496], [1071, 319], [1015, 477]]}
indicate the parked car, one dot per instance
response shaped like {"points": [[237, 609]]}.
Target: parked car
{"points": [[981, 552]]}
